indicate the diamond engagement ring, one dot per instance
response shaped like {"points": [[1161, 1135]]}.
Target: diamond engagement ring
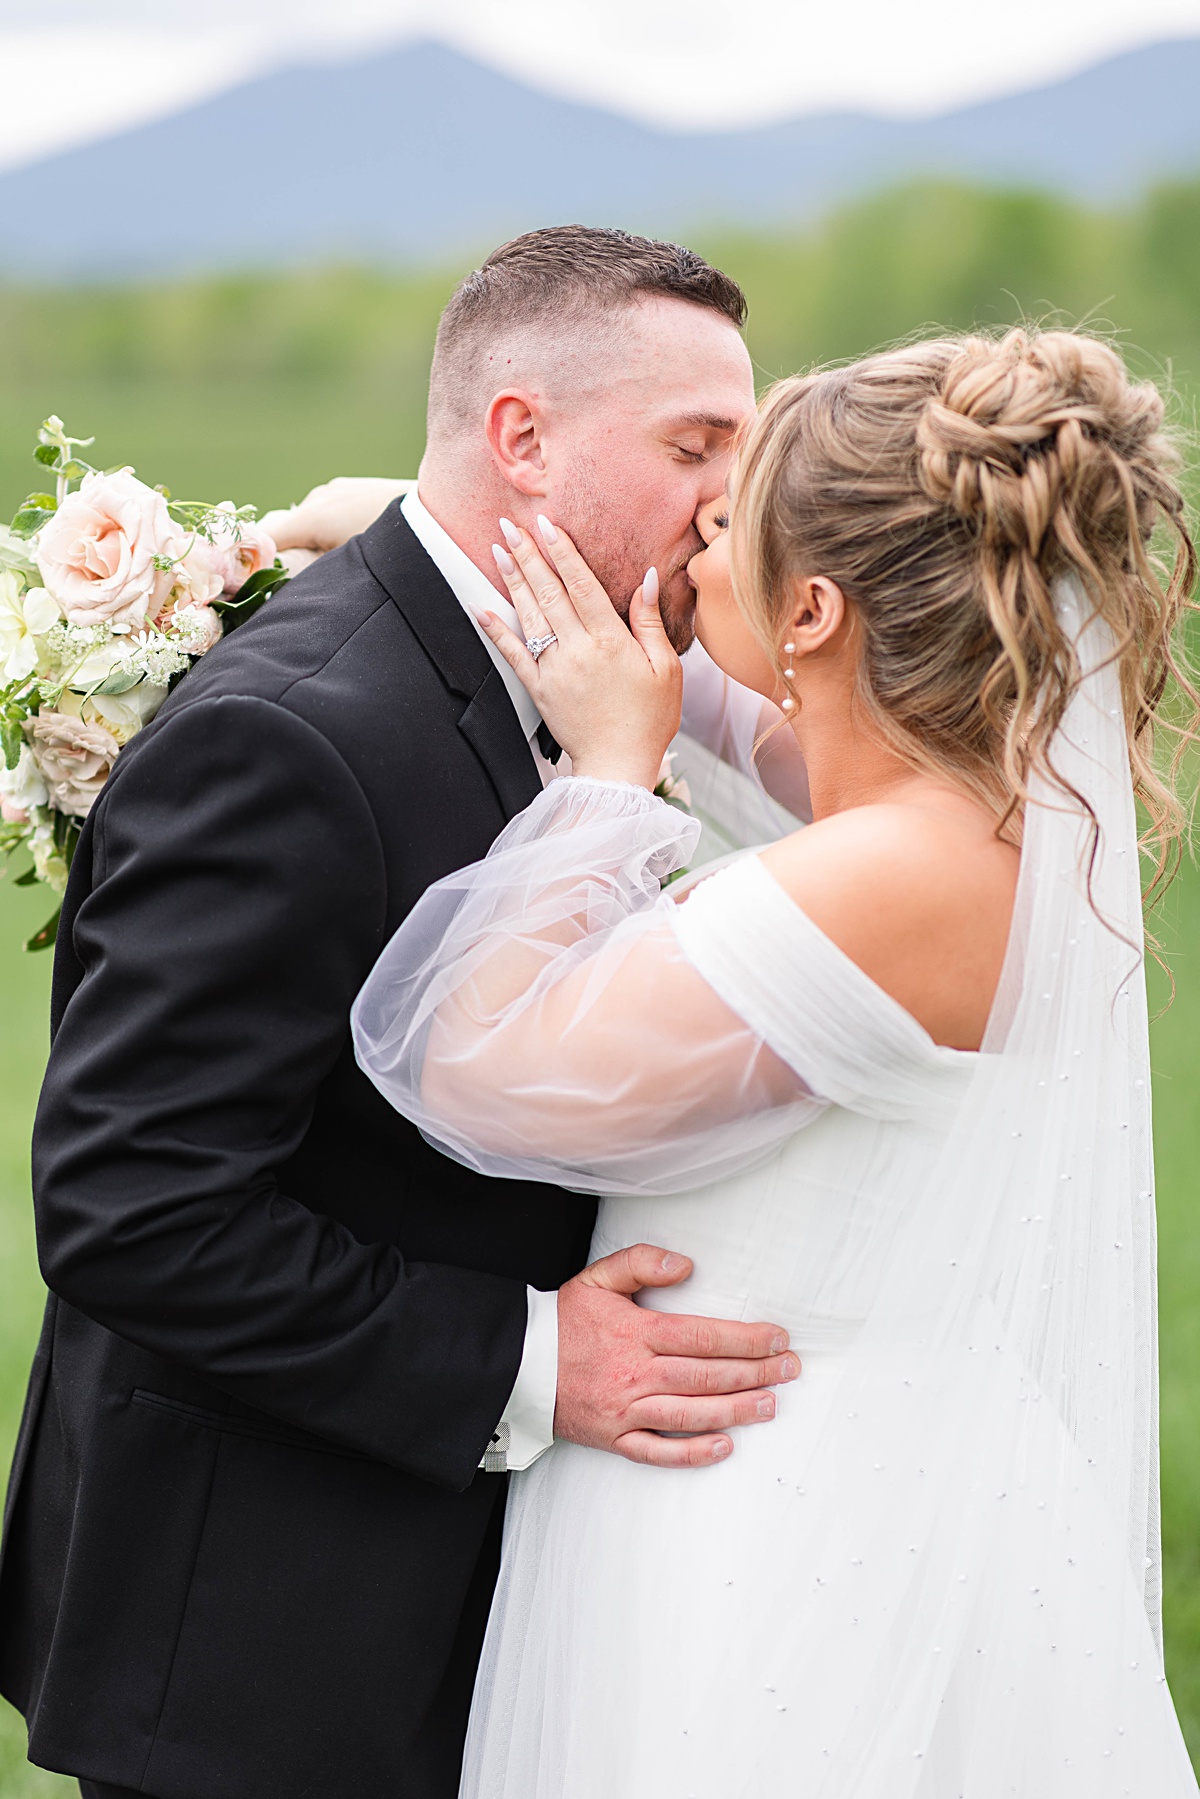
{"points": [[538, 645]]}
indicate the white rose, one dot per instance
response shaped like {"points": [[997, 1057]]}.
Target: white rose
{"points": [[122, 715], [24, 617], [98, 663]]}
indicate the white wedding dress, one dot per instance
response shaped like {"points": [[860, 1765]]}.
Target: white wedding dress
{"points": [[935, 1574]]}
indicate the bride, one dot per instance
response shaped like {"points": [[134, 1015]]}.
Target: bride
{"points": [[887, 1079]]}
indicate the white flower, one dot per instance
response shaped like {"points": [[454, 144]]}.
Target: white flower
{"points": [[21, 788], [49, 864], [122, 715], [15, 553], [24, 617], [98, 662], [195, 629], [672, 787]]}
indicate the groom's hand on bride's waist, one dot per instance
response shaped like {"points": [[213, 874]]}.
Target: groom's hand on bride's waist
{"points": [[627, 1374]]}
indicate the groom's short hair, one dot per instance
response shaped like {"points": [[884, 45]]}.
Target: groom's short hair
{"points": [[574, 276]]}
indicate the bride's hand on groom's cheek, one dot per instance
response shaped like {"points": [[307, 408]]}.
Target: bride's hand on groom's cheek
{"points": [[610, 694], [626, 1373]]}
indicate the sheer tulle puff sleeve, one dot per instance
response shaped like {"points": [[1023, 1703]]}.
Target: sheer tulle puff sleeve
{"points": [[536, 1015]]}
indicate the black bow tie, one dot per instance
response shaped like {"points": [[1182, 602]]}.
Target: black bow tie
{"points": [[546, 743]]}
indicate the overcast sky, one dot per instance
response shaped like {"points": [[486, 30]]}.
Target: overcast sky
{"points": [[89, 67]]}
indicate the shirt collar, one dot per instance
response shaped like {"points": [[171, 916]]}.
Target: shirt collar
{"points": [[475, 594]]}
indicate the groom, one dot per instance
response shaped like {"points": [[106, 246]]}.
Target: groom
{"points": [[254, 1519]]}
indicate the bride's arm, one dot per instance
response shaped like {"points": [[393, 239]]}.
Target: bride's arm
{"points": [[536, 1015]]}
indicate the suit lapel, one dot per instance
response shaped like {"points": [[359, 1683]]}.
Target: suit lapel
{"points": [[420, 592]]}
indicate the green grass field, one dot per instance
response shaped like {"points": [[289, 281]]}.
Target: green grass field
{"points": [[257, 387]]}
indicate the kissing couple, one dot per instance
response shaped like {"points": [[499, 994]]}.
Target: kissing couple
{"points": [[432, 1188]]}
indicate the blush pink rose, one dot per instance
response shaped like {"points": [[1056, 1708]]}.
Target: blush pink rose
{"points": [[201, 575], [97, 554], [243, 551], [74, 759]]}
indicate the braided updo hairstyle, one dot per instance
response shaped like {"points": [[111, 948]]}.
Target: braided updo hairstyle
{"points": [[945, 487]]}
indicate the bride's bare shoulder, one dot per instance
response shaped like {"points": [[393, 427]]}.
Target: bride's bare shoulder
{"points": [[919, 895]]}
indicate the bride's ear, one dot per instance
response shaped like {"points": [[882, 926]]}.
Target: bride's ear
{"points": [[818, 613], [514, 432]]}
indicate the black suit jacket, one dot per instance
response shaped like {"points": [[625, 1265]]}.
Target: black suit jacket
{"points": [[247, 1552]]}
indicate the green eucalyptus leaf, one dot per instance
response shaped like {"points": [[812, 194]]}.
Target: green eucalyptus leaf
{"points": [[120, 681], [28, 879], [250, 596], [46, 454], [44, 939], [31, 518]]}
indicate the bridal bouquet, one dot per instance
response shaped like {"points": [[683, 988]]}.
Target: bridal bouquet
{"points": [[109, 592]]}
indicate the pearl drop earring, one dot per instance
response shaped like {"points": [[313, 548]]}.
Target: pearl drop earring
{"points": [[789, 674]]}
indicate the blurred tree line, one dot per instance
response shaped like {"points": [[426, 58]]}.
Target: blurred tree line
{"points": [[270, 381]]}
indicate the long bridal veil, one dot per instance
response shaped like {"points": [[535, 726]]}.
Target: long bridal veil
{"points": [[988, 1583]]}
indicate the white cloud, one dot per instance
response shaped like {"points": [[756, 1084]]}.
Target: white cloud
{"points": [[94, 66]]}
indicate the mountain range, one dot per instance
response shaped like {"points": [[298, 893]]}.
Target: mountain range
{"points": [[421, 154]]}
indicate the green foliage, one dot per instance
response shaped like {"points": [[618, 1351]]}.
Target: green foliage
{"points": [[250, 596]]}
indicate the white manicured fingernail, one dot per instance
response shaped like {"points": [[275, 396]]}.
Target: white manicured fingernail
{"points": [[512, 536], [672, 1263], [504, 561], [650, 587], [549, 534], [720, 1451]]}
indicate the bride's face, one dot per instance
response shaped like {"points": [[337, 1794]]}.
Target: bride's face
{"points": [[720, 626]]}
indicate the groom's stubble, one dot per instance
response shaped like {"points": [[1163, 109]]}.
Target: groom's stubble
{"points": [[619, 554]]}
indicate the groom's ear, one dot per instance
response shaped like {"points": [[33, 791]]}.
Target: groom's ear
{"points": [[514, 428]]}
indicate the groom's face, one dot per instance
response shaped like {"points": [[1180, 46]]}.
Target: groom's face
{"points": [[649, 447]]}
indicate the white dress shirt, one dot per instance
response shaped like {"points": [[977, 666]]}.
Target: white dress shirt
{"points": [[529, 1414]]}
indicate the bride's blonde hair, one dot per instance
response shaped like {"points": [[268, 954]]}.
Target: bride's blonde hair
{"points": [[945, 487]]}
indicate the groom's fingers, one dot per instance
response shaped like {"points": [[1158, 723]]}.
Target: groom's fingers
{"points": [[666, 1411], [678, 1374], [641, 1265], [679, 1334], [672, 1452]]}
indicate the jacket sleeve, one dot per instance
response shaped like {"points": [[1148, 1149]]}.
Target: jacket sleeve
{"points": [[237, 904]]}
